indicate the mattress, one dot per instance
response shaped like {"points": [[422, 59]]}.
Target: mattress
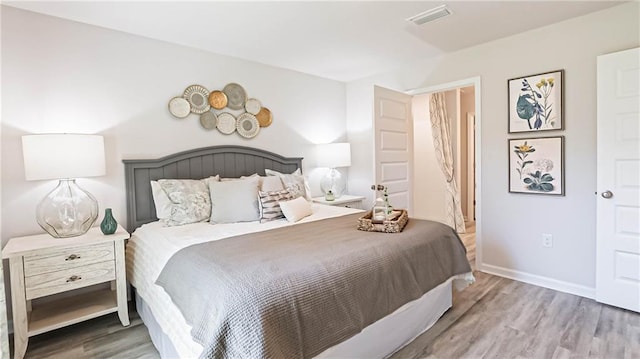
{"points": [[379, 340], [152, 245]]}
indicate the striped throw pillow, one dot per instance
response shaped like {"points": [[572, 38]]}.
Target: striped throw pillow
{"points": [[270, 204]]}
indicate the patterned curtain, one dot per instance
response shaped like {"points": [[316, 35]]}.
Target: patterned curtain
{"points": [[444, 153]]}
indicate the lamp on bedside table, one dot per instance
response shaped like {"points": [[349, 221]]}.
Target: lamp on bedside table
{"points": [[68, 210], [333, 155]]}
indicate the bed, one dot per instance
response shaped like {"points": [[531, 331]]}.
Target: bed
{"points": [[162, 265]]}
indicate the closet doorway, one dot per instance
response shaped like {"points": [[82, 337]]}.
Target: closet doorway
{"points": [[429, 195]]}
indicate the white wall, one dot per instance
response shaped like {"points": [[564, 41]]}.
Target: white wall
{"points": [[429, 187], [511, 224], [63, 76], [359, 107]]}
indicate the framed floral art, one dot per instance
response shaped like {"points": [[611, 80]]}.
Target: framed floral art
{"points": [[536, 165], [535, 102]]}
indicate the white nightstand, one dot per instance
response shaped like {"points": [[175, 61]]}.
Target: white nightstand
{"points": [[41, 265], [344, 201]]}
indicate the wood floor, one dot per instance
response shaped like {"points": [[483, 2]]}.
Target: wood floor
{"points": [[493, 318]]}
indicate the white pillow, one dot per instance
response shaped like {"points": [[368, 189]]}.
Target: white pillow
{"points": [[267, 183], [161, 200], [227, 179], [294, 182], [234, 201], [190, 200], [252, 176], [296, 209], [271, 184]]}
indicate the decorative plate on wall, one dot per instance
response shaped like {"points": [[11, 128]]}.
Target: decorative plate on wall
{"points": [[248, 126], [226, 123], [236, 96], [198, 98], [218, 99], [208, 120], [253, 106], [179, 107], [264, 117]]}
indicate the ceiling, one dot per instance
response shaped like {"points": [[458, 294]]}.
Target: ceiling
{"points": [[338, 40]]}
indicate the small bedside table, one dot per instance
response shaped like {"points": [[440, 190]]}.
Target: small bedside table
{"points": [[344, 201], [41, 265]]}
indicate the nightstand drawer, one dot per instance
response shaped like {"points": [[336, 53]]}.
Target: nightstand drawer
{"points": [[69, 279], [57, 259], [354, 204]]}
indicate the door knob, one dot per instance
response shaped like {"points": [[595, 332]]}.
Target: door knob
{"points": [[607, 194]]}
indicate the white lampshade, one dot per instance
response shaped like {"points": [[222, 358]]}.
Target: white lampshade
{"points": [[68, 210], [59, 156], [334, 155]]}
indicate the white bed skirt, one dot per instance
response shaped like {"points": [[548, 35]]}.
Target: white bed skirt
{"points": [[378, 340]]}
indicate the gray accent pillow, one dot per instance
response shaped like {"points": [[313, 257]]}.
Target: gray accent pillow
{"points": [[234, 201]]}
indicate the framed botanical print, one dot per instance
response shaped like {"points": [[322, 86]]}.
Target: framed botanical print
{"points": [[536, 165], [535, 102]]}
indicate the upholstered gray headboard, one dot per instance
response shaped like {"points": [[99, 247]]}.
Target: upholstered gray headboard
{"points": [[226, 161]]}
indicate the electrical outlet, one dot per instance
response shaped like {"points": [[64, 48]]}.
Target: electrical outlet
{"points": [[547, 240]]}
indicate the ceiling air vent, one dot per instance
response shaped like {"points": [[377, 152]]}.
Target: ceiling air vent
{"points": [[430, 15]]}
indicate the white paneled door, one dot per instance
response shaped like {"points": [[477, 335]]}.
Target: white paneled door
{"points": [[394, 145], [618, 217]]}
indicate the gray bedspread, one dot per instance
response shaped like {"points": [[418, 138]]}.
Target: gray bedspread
{"points": [[293, 292]]}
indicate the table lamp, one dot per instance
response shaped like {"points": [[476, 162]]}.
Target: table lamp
{"points": [[333, 155], [68, 210]]}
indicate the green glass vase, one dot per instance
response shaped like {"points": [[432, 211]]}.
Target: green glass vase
{"points": [[108, 224]]}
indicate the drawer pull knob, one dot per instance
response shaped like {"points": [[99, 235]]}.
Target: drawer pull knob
{"points": [[73, 278], [72, 257]]}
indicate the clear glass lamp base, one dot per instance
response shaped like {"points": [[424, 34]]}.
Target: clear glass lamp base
{"points": [[334, 182], [67, 211]]}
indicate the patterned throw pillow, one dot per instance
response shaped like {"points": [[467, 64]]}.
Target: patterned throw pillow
{"points": [[270, 204], [190, 199], [294, 182]]}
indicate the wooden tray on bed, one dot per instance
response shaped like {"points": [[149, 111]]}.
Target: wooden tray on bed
{"points": [[395, 225]]}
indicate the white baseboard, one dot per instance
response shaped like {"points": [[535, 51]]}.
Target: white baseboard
{"points": [[546, 282]]}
